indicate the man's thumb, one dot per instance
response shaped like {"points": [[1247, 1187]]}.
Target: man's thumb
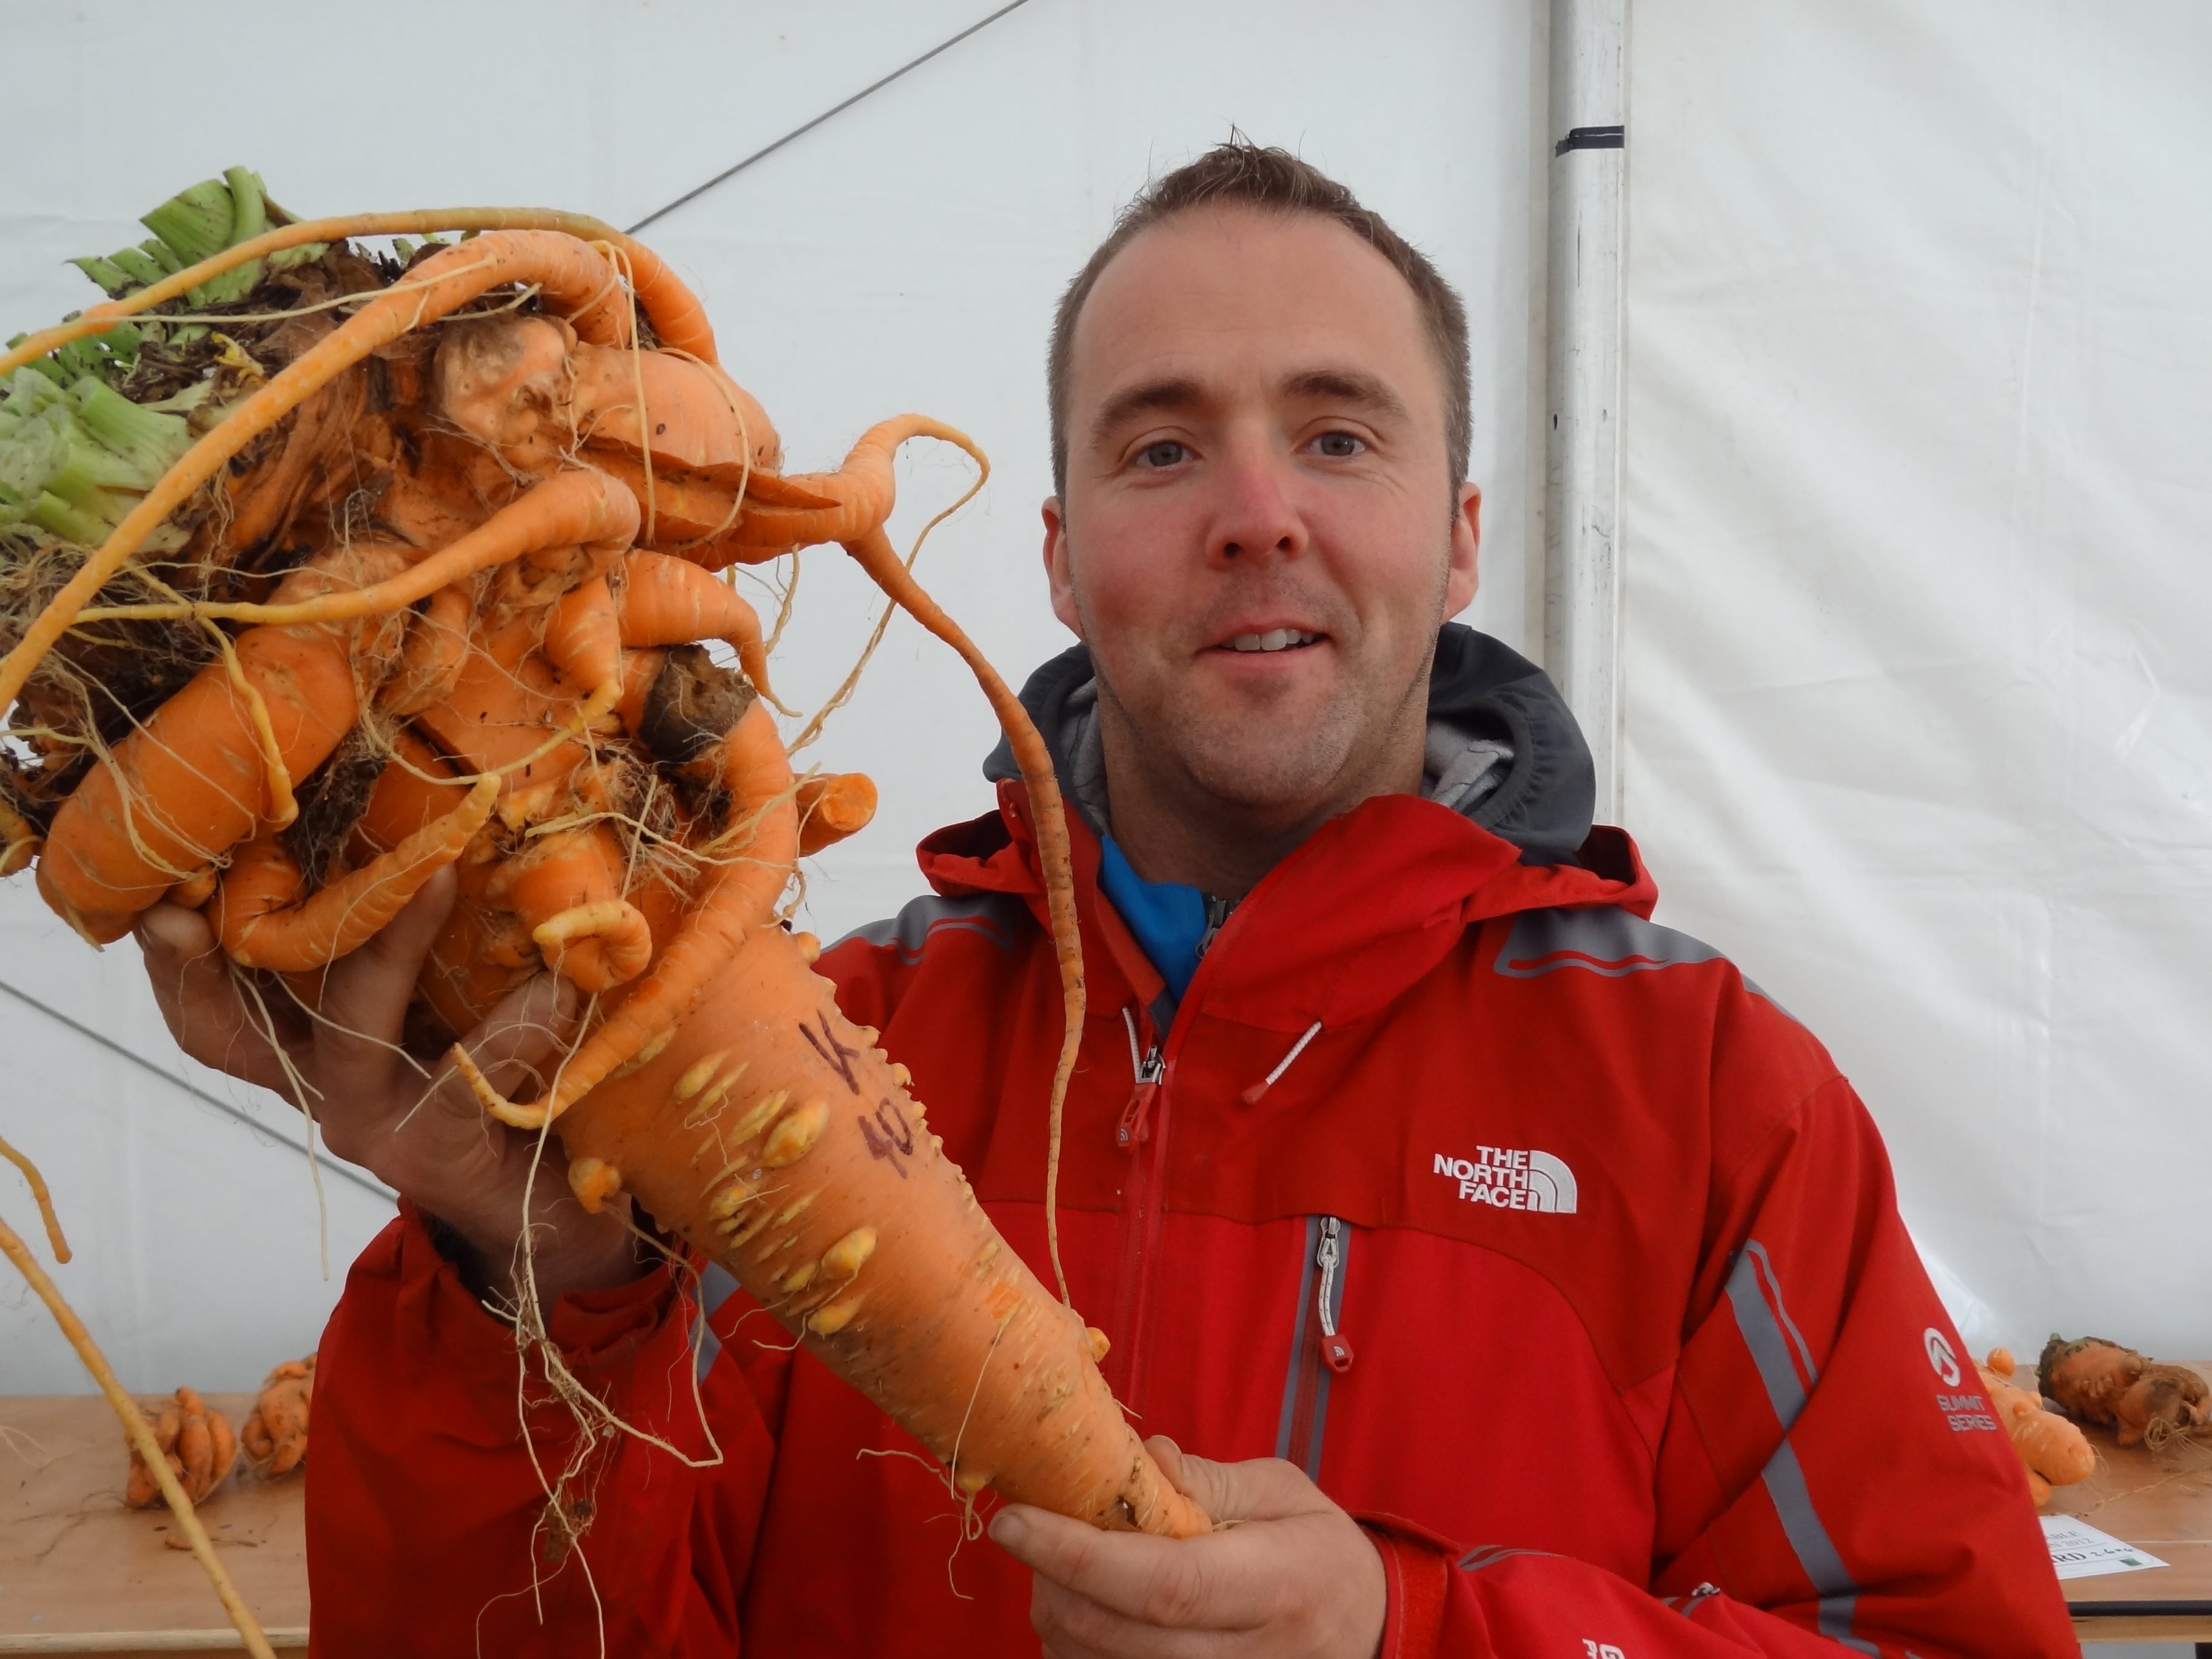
{"points": [[1263, 1489]]}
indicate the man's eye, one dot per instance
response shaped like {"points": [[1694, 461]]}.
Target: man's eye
{"points": [[1338, 446], [1166, 452]]}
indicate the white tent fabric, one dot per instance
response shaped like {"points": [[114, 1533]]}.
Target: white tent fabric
{"points": [[1918, 404], [1918, 358], [905, 254]]}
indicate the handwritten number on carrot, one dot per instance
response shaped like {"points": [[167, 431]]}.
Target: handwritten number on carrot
{"points": [[834, 1051], [883, 1141]]}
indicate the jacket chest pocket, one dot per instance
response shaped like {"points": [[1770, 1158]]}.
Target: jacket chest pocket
{"points": [[1321, 1352]]}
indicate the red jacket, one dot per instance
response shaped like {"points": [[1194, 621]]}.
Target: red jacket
{"points": [[1549, 1246]]}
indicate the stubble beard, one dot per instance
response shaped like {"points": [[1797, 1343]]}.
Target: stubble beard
{"points": [[1272, 768]]}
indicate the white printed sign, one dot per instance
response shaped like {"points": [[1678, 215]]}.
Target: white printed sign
{"points": [[2078, 1550]]}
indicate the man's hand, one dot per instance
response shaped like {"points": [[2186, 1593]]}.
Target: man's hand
{"points": [[1293, 1577], [409, 1121]]}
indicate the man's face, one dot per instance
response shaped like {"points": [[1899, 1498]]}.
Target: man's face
{"points": [[1258, 539]]}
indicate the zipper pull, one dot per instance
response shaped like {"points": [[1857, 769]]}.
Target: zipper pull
{"points": [[1135, 1128], [1334, 1348]]}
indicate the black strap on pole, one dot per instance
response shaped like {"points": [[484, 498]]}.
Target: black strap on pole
{"points": [[1592, 138]]}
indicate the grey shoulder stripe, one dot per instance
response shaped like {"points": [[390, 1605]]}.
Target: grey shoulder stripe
{"points": [[1784, 1479], [1785, 1364], [1605, 941], [996, 916]]}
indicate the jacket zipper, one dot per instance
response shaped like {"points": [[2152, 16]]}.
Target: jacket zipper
{"points": [[1143, 1132], [1334, 1348], [1135, 1128], [1323, 1353]]}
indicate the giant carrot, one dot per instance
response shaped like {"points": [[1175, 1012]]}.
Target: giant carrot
{"points": [[505, 678]]}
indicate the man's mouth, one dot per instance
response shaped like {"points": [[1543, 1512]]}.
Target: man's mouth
{"points": [[1275, 639]]}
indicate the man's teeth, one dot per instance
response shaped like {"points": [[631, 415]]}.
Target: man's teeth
{"points": [[1273, 640]]}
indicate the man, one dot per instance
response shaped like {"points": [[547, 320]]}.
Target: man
{"points": [[1532, 1281]]}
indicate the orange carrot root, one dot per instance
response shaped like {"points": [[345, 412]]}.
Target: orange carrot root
{"points": [[832, 807], [275, 1437], [2140, 1400], [617, 809], [263, 922]]}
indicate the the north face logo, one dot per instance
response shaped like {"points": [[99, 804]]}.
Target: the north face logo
{"points": [[1509, 1178]]}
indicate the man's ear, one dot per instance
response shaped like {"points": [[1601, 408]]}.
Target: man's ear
{"points": [[1465, 545], [1058, 575]]}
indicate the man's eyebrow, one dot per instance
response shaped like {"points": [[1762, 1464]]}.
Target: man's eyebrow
{"points": [[1346, 386], [1142, 400]]}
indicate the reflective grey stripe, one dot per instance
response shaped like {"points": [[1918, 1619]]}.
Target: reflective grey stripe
{"points": [[1325, 1373], [1606, 940], [1298, 1338], [1798, 1343], [715, 1284], [1768, 1332], [994, 915], [1801, 1523]]}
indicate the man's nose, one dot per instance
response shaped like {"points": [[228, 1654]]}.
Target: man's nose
{"points": [[1256, 513]]}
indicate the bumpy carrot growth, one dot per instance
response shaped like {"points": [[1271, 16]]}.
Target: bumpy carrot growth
{"points": [[2140, 1399], [422, 580], [275, 1437], [2051, 1449]]}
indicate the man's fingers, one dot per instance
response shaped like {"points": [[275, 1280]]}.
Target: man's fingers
{"points": [[365, 995], [1264, 1489], [1176, 1583], [523, 1039], [201, 1002], [518, 1046]]}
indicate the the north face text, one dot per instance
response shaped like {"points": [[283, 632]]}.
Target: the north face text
{"points": [[1511, 1178]]}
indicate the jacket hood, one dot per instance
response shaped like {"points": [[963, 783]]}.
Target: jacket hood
{"points": [[1374, 897], [1504, 749]]}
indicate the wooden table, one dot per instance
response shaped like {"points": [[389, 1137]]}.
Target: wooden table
{"points": [[79, 1573], [2166, 1506]]}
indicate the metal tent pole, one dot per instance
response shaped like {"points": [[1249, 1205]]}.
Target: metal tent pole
{"points": [[1582, 562]]}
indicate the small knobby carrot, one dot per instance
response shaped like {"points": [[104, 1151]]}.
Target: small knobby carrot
{"points": [[737, 898], [666, 601], [833, 806], [275, 1435], [2052, 1448], [265, 919]]}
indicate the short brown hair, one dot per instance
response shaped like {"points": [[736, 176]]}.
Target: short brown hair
{"points": [[1241, 172]]}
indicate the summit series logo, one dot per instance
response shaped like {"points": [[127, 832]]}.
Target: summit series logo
{"points": [[1510, 1178]]}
